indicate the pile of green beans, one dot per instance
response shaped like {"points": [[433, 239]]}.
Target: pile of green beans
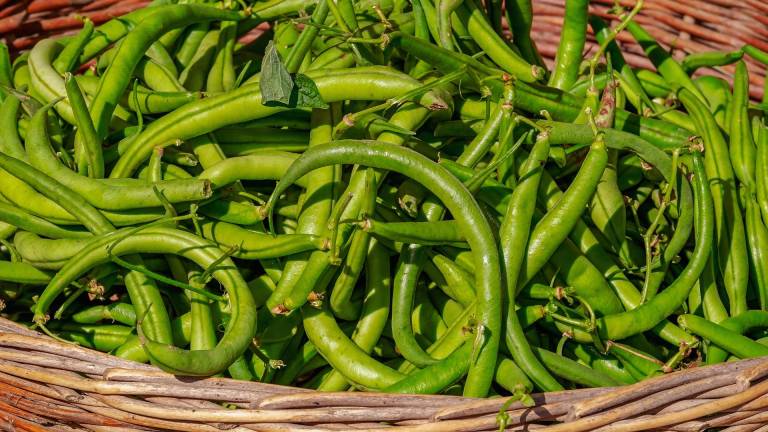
{"points": [[383, 195]]}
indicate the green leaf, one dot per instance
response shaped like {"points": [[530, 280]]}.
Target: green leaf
{"points": [[275, 83], [307, 94]]}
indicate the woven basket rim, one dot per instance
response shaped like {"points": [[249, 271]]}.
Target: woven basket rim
{"points": [[76, 383]]}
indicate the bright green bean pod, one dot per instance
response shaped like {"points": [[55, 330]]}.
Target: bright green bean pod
{"points": [[740, 324], [761, 171], [423, 233], [667, 66], [718, 94], [262, 165], [194, 75], [252, 244], [731, 240], [731, 341], [742, 146], [241, 326], [630, 82], [343, 354], [458, 200], [572, 40], [514, 233], [694, 61], [114, 195], [115, 80], [306, 38], [572, 371], [757, 235], [244, 104], [189, 46], [124, 313], [88, 152], [406, 279], [494, 46], [606, 364], [549, 232], [520, 13], [69, 58], [10, 143], [433, 379], [6, 70], [19, 272], [649, 314], [23, 220], [316, 210], [221, 77], [607, 208], [374, 312]]}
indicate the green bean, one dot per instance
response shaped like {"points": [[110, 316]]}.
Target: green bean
{"points": [[647, 315], [189, 46], [731, 240], [113, 195], [638, 363], [10, 143], [169, 241], [694, 61], [24, 273], [515, 231], [408, 269], [101, 337], [6, 70], [572, 371], [386, 156], [668, 67], [494, 46], [423, 233], [262, 165], [194, 74], [221, 77], [116, 78], [317, 210], [630, 81], [303, 44], [124, 313], [69, 58], [761, 171], [244, 104], [252, 244], [434, 378], [607, 207], [742, 147], [731, 341], [88, 153], [740, 324], [374, 313], [520, 14], [718, 94], [458, 282], [156, 76], [549, 232], [572, 40], [606, 364], [341, 293], [757, 235]]}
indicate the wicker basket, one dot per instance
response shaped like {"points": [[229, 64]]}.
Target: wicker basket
{"points": [[49, 385], [683, 26]]}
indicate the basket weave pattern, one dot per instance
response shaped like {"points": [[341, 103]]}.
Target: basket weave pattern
{"points": [[682, 26], [24, 23], [51, 385]]}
